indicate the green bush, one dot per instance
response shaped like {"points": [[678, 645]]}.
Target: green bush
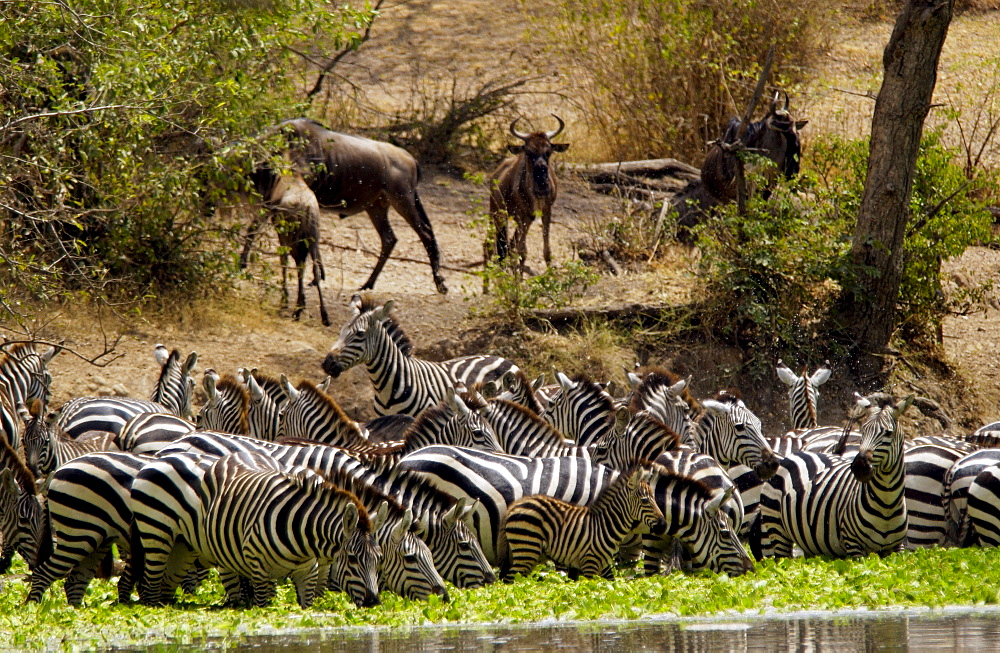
{"points": [[511, 296], [772, 276]]}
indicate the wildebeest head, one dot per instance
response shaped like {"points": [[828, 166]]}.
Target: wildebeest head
{"points": [[536, 150]]}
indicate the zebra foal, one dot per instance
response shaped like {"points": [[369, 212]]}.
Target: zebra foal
{"points": [[581, 539]]}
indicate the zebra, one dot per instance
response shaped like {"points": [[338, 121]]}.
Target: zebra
{"points": [[955, 493], [312, 414], [643, 438], [89, 509], [174, 386], [580, 539], [515, 386], [267, 399], [695, 519], [446, 524], [665, 396], [403, 384], [227, 405], [22, 510], [803, 394], [582, 410], [983, 511], [46, 449], [729, 432], [831, 506], [986, 436], [700, 467], [23, 377], [147, 433]]}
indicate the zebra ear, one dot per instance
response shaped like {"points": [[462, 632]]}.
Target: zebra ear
{"points": [[402, 528], [452, 515], [49, 354], [23, 412], [256, 392], [679, 387], [902, 406], [622, 418], [191, 361], [712, 507], [717, 407], [210, 389], [287, 388], [821, 376], [456, 403], [633, 379], [382, 312], [786, 375], [380, 515], [538, 383], [634, 479], [490, 390], [564, 382], [466, 515], [349, 519], [161, 354], [325, 385]]}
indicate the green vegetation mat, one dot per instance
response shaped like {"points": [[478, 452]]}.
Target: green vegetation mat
{"points": [[932, 578]]}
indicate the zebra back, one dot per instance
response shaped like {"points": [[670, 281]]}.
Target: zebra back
{"points": [[803, 393], [82, 414], [147, 433], [173, 389]]}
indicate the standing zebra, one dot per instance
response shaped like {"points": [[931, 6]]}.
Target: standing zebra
{"points": [[803, 394], [403, 384], [984, 508], [831, 506], [88, 511], [580, 539], [312, 414], [955, 493], [666, 396], [22, 378], [147, 433], [581, 410]]}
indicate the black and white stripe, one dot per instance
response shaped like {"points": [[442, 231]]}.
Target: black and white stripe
{"points": [[173, 390], [831, 506], [311, 414], [803, 394], [22, 510], [955, 493], [403, 384], [82, 414], [147, 433], [23, 377], [89, 509], [984, 508], [580, 539], [46, 449], [582, 410]]}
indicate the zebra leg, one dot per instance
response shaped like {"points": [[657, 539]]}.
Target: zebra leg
{"points": [[77, 581], [652, 553], [306, 582], [239, 591], [194, 577], [6, 558], [125, 584]]}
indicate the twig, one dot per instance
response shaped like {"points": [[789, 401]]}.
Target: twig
{"points": [[318, 86], [52, 114], [94, 360], [406, 259], [871, 95]]}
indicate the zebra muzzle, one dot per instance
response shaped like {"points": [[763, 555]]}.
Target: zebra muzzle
{"points": [[332, 366], [862, 467], [767, 466]]}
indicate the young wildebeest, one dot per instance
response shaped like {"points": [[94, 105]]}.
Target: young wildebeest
{"points": [[295, 214], [521, 187], [349, 174], [775, 137]]}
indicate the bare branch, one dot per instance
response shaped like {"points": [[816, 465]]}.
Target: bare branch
{"points": [[325, 71], [52, 114]]}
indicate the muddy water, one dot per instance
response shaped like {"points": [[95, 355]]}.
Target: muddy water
{"points": [[915, 631]]}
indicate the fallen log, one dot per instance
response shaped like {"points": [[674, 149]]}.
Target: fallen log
{"points": [[653, 168], [641, 312]]}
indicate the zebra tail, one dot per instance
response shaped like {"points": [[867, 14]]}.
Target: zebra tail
{"points": [[503, 550], [137, 558]]}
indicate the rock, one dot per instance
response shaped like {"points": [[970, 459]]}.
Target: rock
{"points": [[121, 390], [105, 391]]}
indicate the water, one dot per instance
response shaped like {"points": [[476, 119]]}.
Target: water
{"points": [[854, 631]]}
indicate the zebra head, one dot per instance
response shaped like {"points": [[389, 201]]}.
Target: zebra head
{"points": [[643, 437], [174, 387], [581, 410], [359, 337], [467, 427], [803, 393], [458, 555], [264, 411], [227, 406], [407, 566], [665, 395], [36, 439], [729, 432], [23, 522], [23, 371], [354, 568], [640, 503], [715, 544], [881, 439]]}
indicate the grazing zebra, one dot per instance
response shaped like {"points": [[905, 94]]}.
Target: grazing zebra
{"points": [[174, 386], [446, 524], [831, 506], [147, 433], [581, 539], [227, 406], [388, 428], [581, 411], [403, 384], [22, 510], [955, 493], [984, 508], [45, 448], [729, 432], [704, 469], [695, 519], [22, 378], [803, 394], [89, 509]]}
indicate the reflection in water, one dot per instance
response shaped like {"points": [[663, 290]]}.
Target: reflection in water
{"points": [[914, 632]]}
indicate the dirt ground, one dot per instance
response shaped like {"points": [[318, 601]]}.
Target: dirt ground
{"points": [[251, 331]]}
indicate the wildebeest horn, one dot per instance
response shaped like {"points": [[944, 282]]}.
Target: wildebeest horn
{"points": [[786, 100], [523, 136], [552, 135], [774, 102]]}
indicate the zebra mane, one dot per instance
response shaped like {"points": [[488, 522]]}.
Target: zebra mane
{"points": [[473, 398], [644, 416], [655, 377], [396, 334], [544, 429], [173, 361], [593, 390], [310, 388], [16, 353], [366, 494], [525, 382], [228, 383], [10, 460], [364, 519]]}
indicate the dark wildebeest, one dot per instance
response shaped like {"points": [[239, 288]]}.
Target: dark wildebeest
{"points": [[295, 214], [521, 187], [775, 137], [349, 174]]}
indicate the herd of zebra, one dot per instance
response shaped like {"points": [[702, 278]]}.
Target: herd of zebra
{"points": [[469, 467]]}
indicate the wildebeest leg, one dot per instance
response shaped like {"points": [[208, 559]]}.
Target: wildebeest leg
{"points": [[250, 237], [300, 301], [520, 244], [379, 214], [319, 274], [413, 212], [546, 222], [284, 275]]}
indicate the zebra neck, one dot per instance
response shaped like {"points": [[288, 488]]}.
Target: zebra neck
{"points": [[705, 438], [391, 371], [888, 483]]}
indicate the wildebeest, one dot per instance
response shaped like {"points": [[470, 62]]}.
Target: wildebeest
{"points": [[775, 136], [349, 174], [520, 187], [295, 214]]}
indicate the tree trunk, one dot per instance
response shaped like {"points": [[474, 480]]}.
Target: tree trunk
{"points": [[910, 61]]}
